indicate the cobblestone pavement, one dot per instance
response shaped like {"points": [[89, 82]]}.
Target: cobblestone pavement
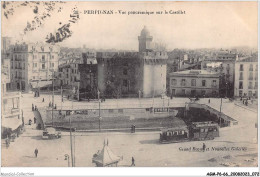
{"points": [[143, 146]]}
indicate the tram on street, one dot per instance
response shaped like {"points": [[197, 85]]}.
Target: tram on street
{"points": [[204, 130], [174, 135], [196, 131]]}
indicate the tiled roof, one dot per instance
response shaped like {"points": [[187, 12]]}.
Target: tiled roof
{"points": [[249, 59], [194, 72]]}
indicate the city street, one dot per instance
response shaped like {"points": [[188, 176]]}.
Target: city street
{"points": [[143, 146]]}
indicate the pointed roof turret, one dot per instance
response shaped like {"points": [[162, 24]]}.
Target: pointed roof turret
{"points": [[145, 32], [105, 157]]}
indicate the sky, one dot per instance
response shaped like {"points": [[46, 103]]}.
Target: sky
{"points": [[204, 25]]}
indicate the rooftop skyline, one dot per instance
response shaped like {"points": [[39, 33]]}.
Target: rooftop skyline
{"points": [[204, 25]]}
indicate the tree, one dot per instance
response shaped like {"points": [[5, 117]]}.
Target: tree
{"points": [[48, 8]]}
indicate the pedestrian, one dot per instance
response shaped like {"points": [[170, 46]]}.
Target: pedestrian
{"points": [[34, 120], [246, 102], [133, 162], [209, 101], [7, 142], [204, 147], [241, 98], [35, 108], [30, 122], [32, 107], [52, 105], [42, 99], [36, 152], [55, 107], [49, 104]]}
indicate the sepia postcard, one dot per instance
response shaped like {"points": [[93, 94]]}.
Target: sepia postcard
{"points": [[129, 84]]}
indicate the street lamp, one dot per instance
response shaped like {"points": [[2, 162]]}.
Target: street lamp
{"points": [[226, 89], [52, 97], [220, 109], [99, 116], [71, 147], [67, 157], [98, 94]]}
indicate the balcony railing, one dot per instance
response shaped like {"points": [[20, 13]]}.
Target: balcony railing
{"points": [[15, 110], [43, 69]]}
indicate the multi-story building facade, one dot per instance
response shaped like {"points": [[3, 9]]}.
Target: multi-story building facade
{"points": [[68, 72], [194, 83], [133, 74], [10, 104], [78, 76], [246, 77], [12, 120], [6, 62], [224, 64], [5, 70], [32, 65], [6, 43]]}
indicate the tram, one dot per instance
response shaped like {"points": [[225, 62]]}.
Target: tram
{"points": [[196, 131]]}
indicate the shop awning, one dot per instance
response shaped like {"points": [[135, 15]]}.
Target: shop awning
{"points": [[41, 84], [12, 123]]}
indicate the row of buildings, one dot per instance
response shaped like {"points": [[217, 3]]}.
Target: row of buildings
{"points": [[11, 114], [146, 73], [111, 74], [31, 65], [226, 75]]}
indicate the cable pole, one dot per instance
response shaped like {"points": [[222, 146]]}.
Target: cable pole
{"points": [[168, 106], [74, 147], [52, 97], [61, 97], [153, 102], [99, 116], [220, 111], [71, 148]]}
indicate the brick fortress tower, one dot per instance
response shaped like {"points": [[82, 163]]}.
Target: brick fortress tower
{"points": [[131, 74], [154, 66]]}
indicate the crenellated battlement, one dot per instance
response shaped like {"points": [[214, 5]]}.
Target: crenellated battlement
{"points": [[154, 55]]}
